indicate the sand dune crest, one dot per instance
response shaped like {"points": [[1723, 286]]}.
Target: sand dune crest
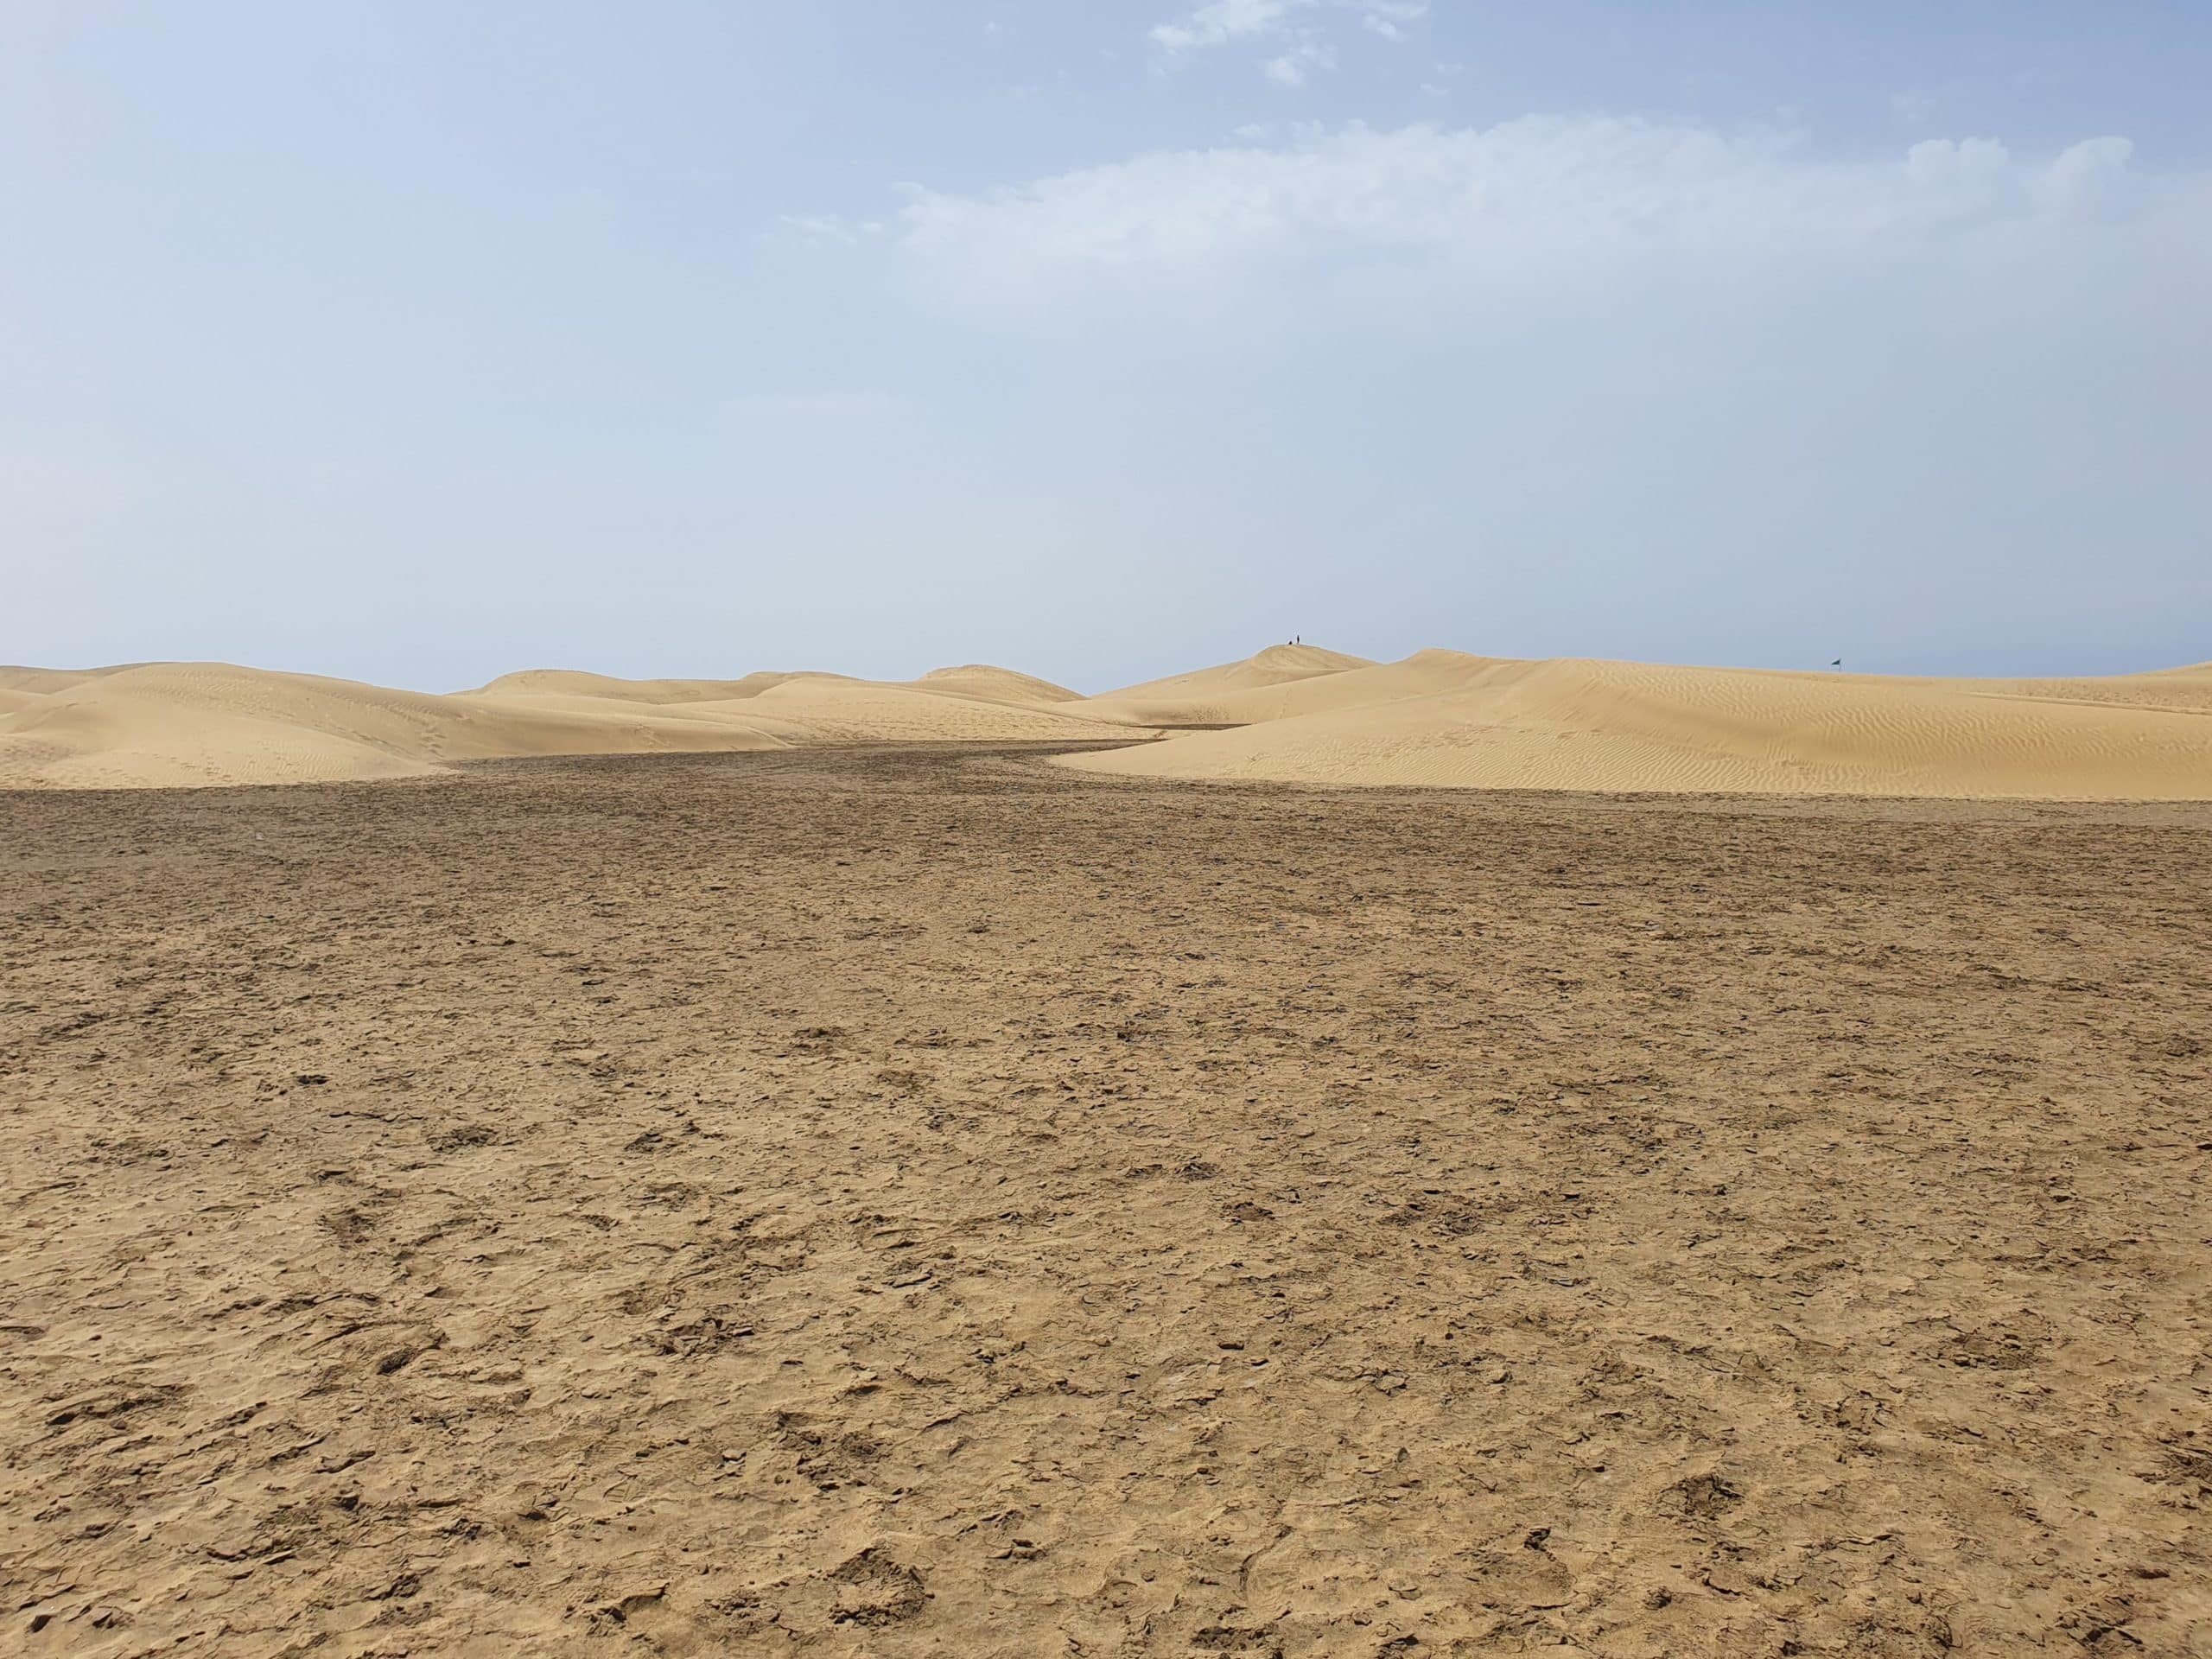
{"points": [[1290, 714], [186, 724], [1475, 723], [1220, 695]]}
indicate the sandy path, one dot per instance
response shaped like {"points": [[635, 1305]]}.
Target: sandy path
{"points": [[929, 1202]]}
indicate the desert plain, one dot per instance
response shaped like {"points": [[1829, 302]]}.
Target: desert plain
{"points": [[1309, 1157]]}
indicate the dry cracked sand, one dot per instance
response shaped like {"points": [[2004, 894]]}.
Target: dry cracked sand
{"points": [[924, 1201]]}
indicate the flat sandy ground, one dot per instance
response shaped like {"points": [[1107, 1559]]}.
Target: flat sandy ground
{"points": [[926, 1201]]}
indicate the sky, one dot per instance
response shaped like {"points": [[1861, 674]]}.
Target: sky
{"points": [[416, 342]]}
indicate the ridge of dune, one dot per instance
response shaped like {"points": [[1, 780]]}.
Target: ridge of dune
{"points": [[181, 724], [1424, 672], [197, 724], [40, 681], [983, 681], [579, 683], [677, 720], [860, 711], [1216, 695], [1300, 715], [2185, 688], [990, 684], [1585, 724]]}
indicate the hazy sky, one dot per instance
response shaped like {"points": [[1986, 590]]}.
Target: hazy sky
{"points": [[415, 342]]}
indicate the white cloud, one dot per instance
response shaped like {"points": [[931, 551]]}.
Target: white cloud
{"points": [[1974, 162], [1220, 21], [1291, 68], [1630, 349], [1305, 49], [1912, 109], [818, 229], [1391, 18], [2087, 169], [1524, 194]]}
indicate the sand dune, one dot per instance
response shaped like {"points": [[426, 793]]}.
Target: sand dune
{"points": [[974, 703], [573, 683], [2186, 688], [1475, 722], [1223, 696], [1330, 691], [186, 724], [39, 681], [1295, 713], [870, 711], [979, 680], [173, 724], [989, 684]]}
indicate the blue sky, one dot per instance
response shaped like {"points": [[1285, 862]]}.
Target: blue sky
{"points": [[417, 342]]}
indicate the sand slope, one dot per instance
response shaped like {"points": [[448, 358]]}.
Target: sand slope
{"points": [[989, 684], [1475, 723], [980, 681], [1332, 691], [1300, 714], [171, 724], [184, 724], [2186, 688], [575, 683], [39, 681], [868, 711], [1220, 695]]}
